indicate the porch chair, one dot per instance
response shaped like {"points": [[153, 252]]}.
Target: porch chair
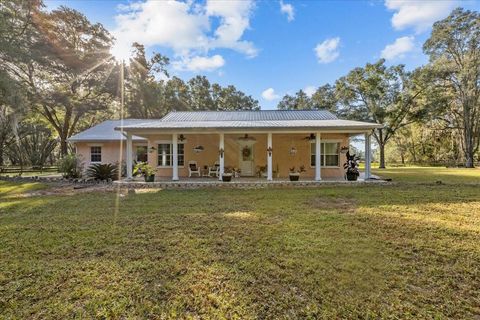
{"points": [[215, 169], [193, 169]]}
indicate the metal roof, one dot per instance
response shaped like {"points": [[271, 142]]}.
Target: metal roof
{"points": [[260, 115], [334, 124], [286, 120], [105, 131]]}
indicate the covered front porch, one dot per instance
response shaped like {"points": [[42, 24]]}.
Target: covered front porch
{"points": [[249, 156]]}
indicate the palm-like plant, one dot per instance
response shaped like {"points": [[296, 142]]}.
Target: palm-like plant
{"points": [[103, 171], [351, 167]]}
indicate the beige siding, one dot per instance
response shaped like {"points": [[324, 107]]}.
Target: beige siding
{"points": [[110, 151], [282, 160]]}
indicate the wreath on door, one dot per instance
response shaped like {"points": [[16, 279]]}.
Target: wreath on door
{"points": [[246, 152]]}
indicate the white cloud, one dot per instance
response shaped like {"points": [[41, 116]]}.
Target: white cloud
{"points": [[288, 10], [310, 90], [190, 29], [399, 48], [196, 64], [234, 20], [419, 14], [327, 51], [269, 94]]}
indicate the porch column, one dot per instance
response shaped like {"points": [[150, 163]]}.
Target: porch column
{"points": [[175, 157], [129, 156], [368, 155], [318, 155], [221, 154], [269, 157]]}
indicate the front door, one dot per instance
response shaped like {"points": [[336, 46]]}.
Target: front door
{"points": [[246, 160]]}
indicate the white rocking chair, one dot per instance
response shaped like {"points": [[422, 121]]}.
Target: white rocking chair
{"points": [[193, 169], [215, 170]]}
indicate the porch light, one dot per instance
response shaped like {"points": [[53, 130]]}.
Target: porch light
{"points": [[344, 149], [293, 151], [152, 149], [220, 152], [269, 150], [181, 137]]}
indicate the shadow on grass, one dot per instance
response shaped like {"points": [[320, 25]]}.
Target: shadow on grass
{"points": [[239, 254]]}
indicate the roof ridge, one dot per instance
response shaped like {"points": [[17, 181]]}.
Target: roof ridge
{"points": [[276, 110]]}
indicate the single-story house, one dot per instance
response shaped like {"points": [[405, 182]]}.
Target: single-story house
{"points": [[250, 143]]}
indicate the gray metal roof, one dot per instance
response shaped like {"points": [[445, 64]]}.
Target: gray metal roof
{"points": [[105, 131], [260, 115], [334, 124], [225, 120]]}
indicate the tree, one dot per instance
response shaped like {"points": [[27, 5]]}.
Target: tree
{"points": [[177, 95], [380, 94], [142, 90], [454, 50], [200, 94], [65, 64], [325, 98], [229, 98], [35, 145], [301, 101], [16, 49]]}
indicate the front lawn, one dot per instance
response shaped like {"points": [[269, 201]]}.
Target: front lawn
{"points": [[398, 251], [417, 174]]}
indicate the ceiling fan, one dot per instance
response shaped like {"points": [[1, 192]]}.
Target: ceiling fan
{"points": [[310, 137]]}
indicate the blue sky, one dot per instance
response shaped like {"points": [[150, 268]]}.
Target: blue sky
{"points": [[271, 48]]}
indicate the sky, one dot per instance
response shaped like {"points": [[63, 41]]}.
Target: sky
{"points": [[271, 48]]}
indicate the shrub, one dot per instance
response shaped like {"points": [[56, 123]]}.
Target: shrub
{"points": [[143, 169], [103, 171], [70, 166]]}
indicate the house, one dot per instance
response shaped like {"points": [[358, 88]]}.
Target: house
{"points": [[253, 143]]}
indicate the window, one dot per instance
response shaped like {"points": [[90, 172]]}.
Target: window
{"points": [[142, 155], [96, 154], [165, 154], [330, 154]]}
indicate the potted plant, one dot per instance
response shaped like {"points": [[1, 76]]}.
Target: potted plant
{"points": [[227, 175], [145, 170], [294, 175], [351, 167]]}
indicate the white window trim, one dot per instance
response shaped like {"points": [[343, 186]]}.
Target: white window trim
{"points": [[326, 141], [157, 142], [101, 152]]}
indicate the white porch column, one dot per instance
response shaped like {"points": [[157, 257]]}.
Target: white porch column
{"points": [[318, 155], [269, 157], [129, 156], [175, 157], [221, 154], [368, 155]]}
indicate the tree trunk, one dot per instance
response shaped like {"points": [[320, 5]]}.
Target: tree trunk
{"points": [[382, 156], [469, 159], [63, 146], [469, 149]]}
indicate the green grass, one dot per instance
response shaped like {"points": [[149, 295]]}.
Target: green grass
{"points": [[400, 251], [429, 174]]}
